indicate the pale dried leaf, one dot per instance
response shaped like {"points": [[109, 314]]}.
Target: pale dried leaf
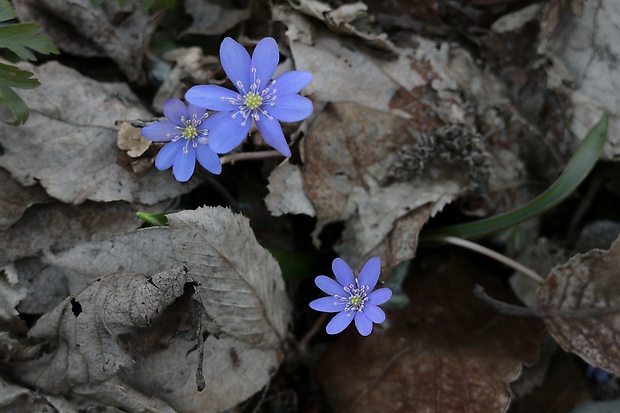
{"points": [[240, 285], [84, 330], [130, 139], [584, 52], [16, 199], [286, 192], [89, 30], [588, 285], [11, 293], [15, 398], [445, 352], [72, 123]]}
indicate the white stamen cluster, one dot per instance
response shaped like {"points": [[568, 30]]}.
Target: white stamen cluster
{"points": [[190, 131], [250, 102], [358, 295]]}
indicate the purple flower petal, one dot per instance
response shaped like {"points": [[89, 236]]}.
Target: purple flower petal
{"points": [[174, 110], [291, 83], [291, 108], [380, 296], [271, 131], [160, 132], [265, 60], [208, 159], [339, 322], [193, 110], [363, 324], [329, 286], [327, 305], [184, 163], [374, 313], [211, 97], [226, 132], [167, 154], [236, 62], [343, 272], [369, 275]]}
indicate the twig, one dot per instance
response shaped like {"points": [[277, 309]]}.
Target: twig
{"points": [[303, 343], [249, 156]]}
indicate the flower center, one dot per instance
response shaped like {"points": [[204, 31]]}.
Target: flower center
{"points": [[253, 100], [358, 295], [190, 132]]}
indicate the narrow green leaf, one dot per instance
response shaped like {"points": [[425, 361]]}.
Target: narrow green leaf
{"points": [[15, 104], [6, 11], [13, 76], [20, 38], [156, 220], [575, 172]]}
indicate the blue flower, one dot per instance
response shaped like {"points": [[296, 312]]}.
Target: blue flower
{"points": [[189, 139], [351, 297], [259, 98]]}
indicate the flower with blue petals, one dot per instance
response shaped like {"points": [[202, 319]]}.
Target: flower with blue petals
{"points": [[187, 132], [352, 298], [259, 98]]}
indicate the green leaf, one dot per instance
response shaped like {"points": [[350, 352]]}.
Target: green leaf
{"points": [[20, 38], [575, 172], [156, 220], [16, 105], [12, 76], [6, 11]]}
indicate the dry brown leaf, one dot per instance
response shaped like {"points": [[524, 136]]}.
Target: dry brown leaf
{"points": [[69, 142], [56, 226], [16, 199], [242, 290], [286, 192], [369, 168], [120, 33], [85, 332], [445, 352], [210, 18], [584, 293]]}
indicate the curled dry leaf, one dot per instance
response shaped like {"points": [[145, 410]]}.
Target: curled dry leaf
{"points": [[88, 30], [85, 331], [72, 123], [16, 199], [584, 293], [445, 352], [240, 285], [286, 192]]}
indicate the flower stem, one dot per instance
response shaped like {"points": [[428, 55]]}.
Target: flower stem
{"points": [[249, 156], [493, 254]]}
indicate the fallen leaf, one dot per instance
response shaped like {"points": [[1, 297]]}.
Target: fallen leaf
{"points": [[286, 192], [84, 331], [583, 54], [16, 199], [69, 142], [242, 290], [210, 18], [584, 294], [445, 352], [130, 139], [120, 33], [15, 398]]}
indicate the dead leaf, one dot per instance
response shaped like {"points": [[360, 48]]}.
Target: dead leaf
{"points": [[120, 33], [588, 284], [11, 293], [16, 199], [69, 142], [584, 55], [210, 18], [369, 168], [15, 398], [242, 290], [445, 352], [56, 226], [130, 139], [85, 330], [286, 192]]}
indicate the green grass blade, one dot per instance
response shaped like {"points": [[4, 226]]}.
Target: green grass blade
{"points": [[156, 220], [575, 172]]}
